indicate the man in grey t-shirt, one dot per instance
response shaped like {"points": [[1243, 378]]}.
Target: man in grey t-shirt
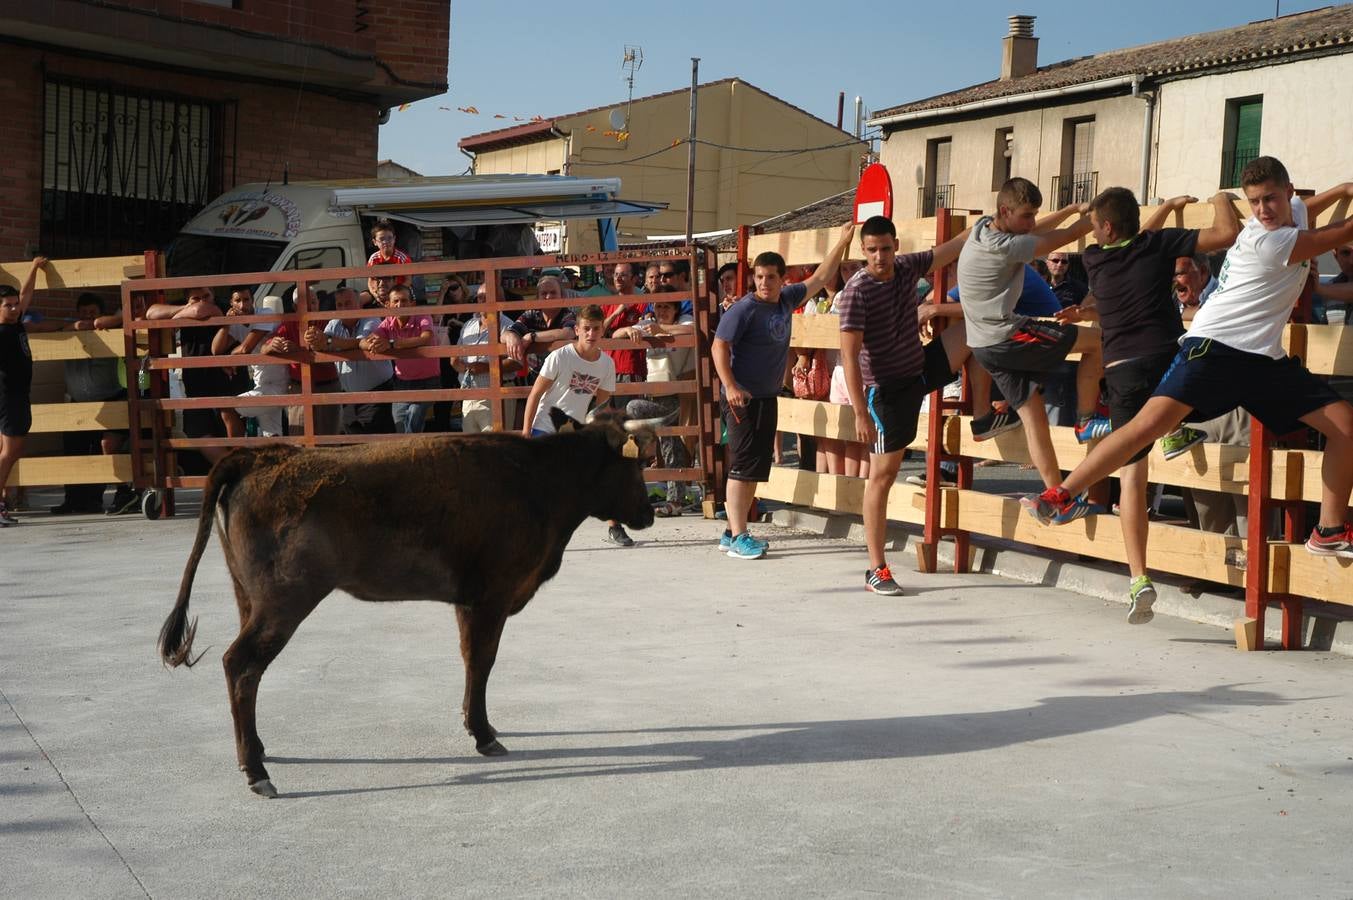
{"points": [[1020, 352]]}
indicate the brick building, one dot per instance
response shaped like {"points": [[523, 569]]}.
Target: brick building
{"points": [[124, 117]]}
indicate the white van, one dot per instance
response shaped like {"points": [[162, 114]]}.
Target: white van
{"points": [[324, 224]]}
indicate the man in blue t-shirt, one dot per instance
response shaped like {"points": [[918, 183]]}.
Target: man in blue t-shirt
{"points": [[751, 352]]}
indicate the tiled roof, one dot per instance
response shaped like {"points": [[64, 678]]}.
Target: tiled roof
{"points": [[1321, 30], [824, 213], [500, 134]]}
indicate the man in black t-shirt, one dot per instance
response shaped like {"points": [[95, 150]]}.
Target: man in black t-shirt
{"points": [[1131, 272], [16, 380], [199, 382]]}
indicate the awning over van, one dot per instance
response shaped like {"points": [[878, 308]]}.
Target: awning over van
{"points": [[494, 200]]}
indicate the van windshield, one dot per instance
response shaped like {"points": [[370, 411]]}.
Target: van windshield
{"points": [[197, 254]]}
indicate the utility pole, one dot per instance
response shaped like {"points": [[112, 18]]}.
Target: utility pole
{"points": [[690, 153]]}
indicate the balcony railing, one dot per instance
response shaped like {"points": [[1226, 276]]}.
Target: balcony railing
{"points": [[929, 199], [1080, 187], [1233, 163]]}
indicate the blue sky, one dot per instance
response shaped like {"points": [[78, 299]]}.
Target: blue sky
{"points": [[528, 60]]}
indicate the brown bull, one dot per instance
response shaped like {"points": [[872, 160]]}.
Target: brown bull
{"points": [[297, 524]]}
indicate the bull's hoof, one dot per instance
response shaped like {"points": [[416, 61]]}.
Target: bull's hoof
{"points": [[264, 788], [492, 748]]}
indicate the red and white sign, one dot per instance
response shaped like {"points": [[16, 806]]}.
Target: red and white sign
{"points": [[874, 195]]}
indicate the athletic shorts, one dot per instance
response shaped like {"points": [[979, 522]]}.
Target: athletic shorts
{"points": [[1128, 385], [751, 437], [896, 407], [1020, 364], [16, 415], [1214, 379]]}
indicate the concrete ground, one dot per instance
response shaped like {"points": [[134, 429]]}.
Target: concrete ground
{"points": [[681, 725]]}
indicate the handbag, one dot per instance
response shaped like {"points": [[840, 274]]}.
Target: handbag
{"points": [[814, 384]]}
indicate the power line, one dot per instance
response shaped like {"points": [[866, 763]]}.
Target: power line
{"points": [[787, 151]]}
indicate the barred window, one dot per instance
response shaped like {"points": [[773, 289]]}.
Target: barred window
{"points": [[124, 170]]}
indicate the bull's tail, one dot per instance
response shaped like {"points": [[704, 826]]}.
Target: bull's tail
{"points": [[177, 633]]}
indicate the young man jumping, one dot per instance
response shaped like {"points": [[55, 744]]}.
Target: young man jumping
{"points": [[1233, 356]]}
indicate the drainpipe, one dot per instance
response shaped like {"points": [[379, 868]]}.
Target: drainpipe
{"points": [[1148, 115]]}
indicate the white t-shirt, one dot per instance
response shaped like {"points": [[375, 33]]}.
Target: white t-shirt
{"points": [[475, 331], [668, 363], [990, 281], [1256, 289], [576, 382], [268, 379]]}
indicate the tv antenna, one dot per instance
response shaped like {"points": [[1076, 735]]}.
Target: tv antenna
{"points": [[632, 62]]}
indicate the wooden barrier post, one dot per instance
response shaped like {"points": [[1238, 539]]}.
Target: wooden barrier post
{"points": [[712, 460]]}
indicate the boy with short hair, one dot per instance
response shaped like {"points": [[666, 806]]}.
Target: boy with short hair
{"points": [[386, 253], [265, 381], [1233, 356], [16, 380], [751, 353], [572, 380], [1130, 271], [1019, 352]]}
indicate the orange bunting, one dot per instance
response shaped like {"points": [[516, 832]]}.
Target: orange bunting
{"points": [[403, 106], [499, 116], [591, 128], [468, 109], [676, 142]]}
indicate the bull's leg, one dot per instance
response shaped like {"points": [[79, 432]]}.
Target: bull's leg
{"points": [[258, 643], [480, 630]]}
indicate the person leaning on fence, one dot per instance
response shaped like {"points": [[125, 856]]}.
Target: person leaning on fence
{"points": [[889, 373], [357, 376], [728, 285], [1131, 268], [536, 328], [406, 332], [665, 363], [629, 364], [1233, 356], [16, 380], [1021, 353], [574, 379], [264, 381], [287, 339], [211, 381], [751, 356], [476, 415], [93, 381]]}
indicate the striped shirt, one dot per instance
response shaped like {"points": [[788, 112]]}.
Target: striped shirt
{"points": [[886, 312]]}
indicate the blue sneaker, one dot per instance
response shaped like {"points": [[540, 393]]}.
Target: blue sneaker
{"points": [[1093, 427], [726, 540], [1056, 507], [744, 546]]}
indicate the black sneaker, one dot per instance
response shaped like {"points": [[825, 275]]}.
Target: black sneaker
{"points": [[616, 535], [880, 581], [993, 423]]}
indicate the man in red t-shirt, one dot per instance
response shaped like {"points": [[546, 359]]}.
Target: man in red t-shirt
{"points": [[630, 365]]}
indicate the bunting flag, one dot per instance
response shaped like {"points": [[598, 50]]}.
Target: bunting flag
{"points": [[468, 109], [404, 106]]}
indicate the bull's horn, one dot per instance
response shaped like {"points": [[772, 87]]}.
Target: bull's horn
{"points": [[632, 425]]}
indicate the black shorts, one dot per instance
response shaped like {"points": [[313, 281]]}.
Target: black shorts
{"points": [[1020, 364], [751, 437], [896, 407], [16, 415], [1214, 379], [1128, 385]]}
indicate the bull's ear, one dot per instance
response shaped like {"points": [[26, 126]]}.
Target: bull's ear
{"points": [[631, 449], [568, 426]]}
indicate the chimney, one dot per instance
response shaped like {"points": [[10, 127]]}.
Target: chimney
{"points": [[1019, 49]]}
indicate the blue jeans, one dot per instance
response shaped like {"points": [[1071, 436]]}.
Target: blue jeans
{"points": [[410, 417]]}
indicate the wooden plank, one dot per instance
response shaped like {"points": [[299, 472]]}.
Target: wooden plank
{"points": [[1170, 548], [69, 274], [820, 418], [49, 470], [1329, 348], [821, 331], [810, 246], [837, 493], [108, 415], [76, 345], [1294, 570]]}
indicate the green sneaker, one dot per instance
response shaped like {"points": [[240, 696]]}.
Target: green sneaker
{"points": [[1179, 441], [1143, 595]]}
